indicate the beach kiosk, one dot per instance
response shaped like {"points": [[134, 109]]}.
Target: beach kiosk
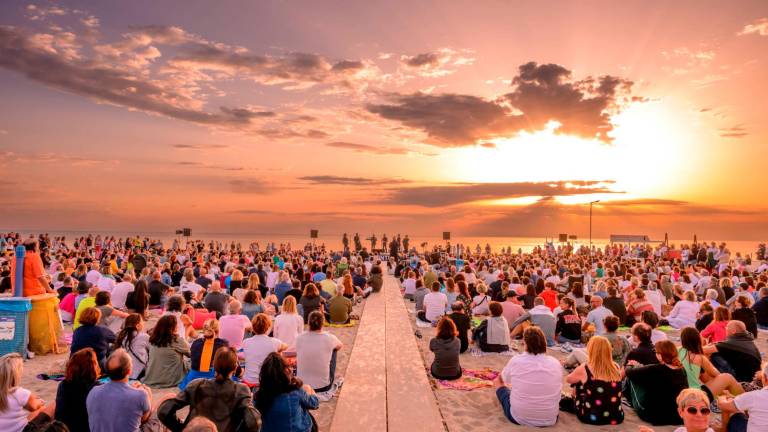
{"points": [[14, 313]]}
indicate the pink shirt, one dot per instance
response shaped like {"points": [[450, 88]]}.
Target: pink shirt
{"points": [[715, 331], [232, 329]]}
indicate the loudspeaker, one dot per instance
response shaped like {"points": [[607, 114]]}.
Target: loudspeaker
{"points": [[313, 234], [563, 238], [187, 232], [446, 235]]}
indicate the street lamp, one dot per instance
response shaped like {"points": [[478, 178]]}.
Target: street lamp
{"points": [[590, 229]]}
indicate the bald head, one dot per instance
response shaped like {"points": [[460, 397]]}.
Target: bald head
{"points": [[735, 326], [119, 365]]}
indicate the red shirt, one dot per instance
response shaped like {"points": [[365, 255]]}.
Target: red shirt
{"points": [[550, 298]]}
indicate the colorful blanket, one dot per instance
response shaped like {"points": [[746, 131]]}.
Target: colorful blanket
{"points": [[351, 323], [471, 379]]}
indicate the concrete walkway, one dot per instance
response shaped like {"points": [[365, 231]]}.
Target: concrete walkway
{"points": [[386, 386]]}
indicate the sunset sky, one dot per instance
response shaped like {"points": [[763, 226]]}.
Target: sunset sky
{"points": [[481, 117]]}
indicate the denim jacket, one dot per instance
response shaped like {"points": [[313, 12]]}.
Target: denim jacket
{"points": [[288, 413]]}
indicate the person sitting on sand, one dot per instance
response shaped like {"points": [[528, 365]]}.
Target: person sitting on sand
{"points": [[481, 301], [685, 311], [166, 366], [409, 286], [492, 335], [225, 402], [737, 354], [652, 389], [339, 307], [289, 324], [316, 352], [753, 404], [202, 352], [20, 409], [216, 300], [462, 323], [134, 340], [568, 328], [117, 405], [446, 347], [643, 352], [529, 387], [311, 301], [91, 335], [80, 377], [696, 365], [283, 400], [257, 347], [597, 386], [234, 325], [716, 330], [434, 305], [540, 316]]}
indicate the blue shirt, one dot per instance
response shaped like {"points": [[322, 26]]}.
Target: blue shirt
{"points": [[288, 413], [116, 407], [280, 290]]}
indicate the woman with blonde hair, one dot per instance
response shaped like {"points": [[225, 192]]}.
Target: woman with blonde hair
{"points": [[693, 407], [288, 324], [202, 352], [598, 386], [19, 407]]}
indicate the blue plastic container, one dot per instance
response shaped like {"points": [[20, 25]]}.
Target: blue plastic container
{"points": [[14, 325]]}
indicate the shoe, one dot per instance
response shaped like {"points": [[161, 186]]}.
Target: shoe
{"points": [[566, 348], [713, 406]]}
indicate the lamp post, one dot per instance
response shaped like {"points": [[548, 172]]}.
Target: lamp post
{"points": [[590, 229]]}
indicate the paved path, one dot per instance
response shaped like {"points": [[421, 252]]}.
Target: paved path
{"points": [[386, 387]]}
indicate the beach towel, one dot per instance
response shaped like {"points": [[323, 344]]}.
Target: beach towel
{"points": [[422, 324], [471, 379], [476, 352], [53, 377], [351, 323]]}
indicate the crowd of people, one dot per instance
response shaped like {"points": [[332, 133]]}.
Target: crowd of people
{"points": [[240, 331]]}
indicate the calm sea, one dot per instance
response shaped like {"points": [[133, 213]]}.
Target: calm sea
{"points": [[334, 241]]}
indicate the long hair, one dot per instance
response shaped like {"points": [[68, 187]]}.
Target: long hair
{"points": [[275, 379], [690, 339], [83, 366], [128, 332], [11, 367], [140, 295], [289, 305], [601, 360], [346, 282], [164, 332]]}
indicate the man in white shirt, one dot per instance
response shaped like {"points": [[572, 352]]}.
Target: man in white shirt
{"points": [[754, 403], [435, 304], [93, 275], [121, 290], [597, 315], [316, 354], [529, 387]]}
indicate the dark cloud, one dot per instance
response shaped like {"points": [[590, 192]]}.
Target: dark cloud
{"points": [[446, 195], [200, 146], [737, 131], [351, 181], [541, 93], [251, 186], [425, 59], [366, 148]]}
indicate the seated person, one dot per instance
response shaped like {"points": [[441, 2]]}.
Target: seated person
{"points": [[462, 323], [492, 335], [737, 354], [568, 328], [257, 347], [540, 316], [615, 303], [716, 330], [597, 386], [705, 317], [753, 403], [283, 400], [637, 305], [234, 325], [166, 366], [652, 389], [316, 352], [311, 300], [288, 324], [696, 365], [91, 335], [597, 315], [202, 352], [446, 347], [117, 405], [652, 320], [20, 409], [685, 312], [339, 307], [529, 387], [620, 346], [693, 408], [481, 302], [225, 402], [434, 305], [743, 312], [644, 352], [216, 300], [111, 318]]}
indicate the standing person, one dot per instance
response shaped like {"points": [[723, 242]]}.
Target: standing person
{"points": [[446, 347], [316, 352], [35, 278], [118, 406], [167, 351], [80, 377], [257, 347], [529, 387], [598, 386], [283, 400], [20, 409], [228, 404]]}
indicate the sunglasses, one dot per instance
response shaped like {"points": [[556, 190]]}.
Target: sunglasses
{"points": [[693, 410]]}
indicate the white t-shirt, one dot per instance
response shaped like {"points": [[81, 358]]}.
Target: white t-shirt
{"points": [[756, 404], [313, 357], [272, 279], [535, 382], [435, 304], [14, 418], [120, 293], [255, 350], [106, 284], [286, 327], [190, 286], [93, 276], [410, 286], [481, 304]]}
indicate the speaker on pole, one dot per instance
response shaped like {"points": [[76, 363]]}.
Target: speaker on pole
{"points": [[313, 233], [446, 235]]}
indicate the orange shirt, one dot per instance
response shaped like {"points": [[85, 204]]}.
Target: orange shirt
{"points": [[33, 269]]}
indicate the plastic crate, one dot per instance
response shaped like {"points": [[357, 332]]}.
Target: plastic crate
{"points": [[14, 325]]}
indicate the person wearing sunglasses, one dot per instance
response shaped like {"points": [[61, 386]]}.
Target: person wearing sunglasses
{"points": [[693, 406]]}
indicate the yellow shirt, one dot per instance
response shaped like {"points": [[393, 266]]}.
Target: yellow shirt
{"points": [[84, 304]]}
